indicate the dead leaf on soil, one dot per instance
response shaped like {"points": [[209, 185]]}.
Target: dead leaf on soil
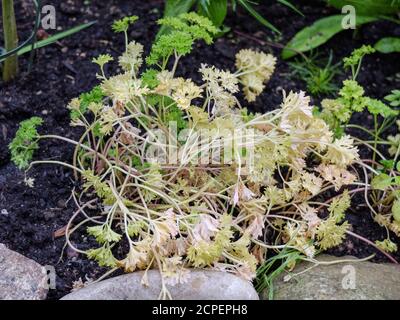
{"points": [[60, 232]]}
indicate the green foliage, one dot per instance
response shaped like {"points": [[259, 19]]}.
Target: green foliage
{"points": [[388, 182], [291, 6], [186, 28], [101, 188], [174, 8], [152, 201], [376, 107], [356, 56], [331, 234], [249, 8], [338, 111], [149, 78], [355, 59], [387, 245], [102, 59], [134, 228], [177, 41], [388, 45], [191, 23], [317, 34], [247, 116], [352, 95], [387, 164], [396, 209], [200, 27], [351, 98], [318, 74], [338, 206], [394, 98], [95, 95], [25, 142], [274, 267], [382, 181], [369, 7], [103, 256], [104, 234], [216, 11], [174, 114], [123, 24], [323, 29]]}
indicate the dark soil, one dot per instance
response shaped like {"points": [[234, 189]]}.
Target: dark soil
{"points": [[64, 70]]}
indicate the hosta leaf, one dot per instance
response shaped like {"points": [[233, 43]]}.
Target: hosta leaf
{"points": [[318, 33], [215, 10], [369, 7], [388, 45], [174, 8]]}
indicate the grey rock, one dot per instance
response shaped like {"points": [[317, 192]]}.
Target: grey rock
{"points": [[355, 280], [201, 285], [21, 278]]}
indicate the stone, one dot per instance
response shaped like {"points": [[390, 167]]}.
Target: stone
{"points": [[21, 278], [201, 285], [353, 280]]}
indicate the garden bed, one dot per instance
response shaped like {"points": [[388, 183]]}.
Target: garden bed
{"points": [[30, 216]]}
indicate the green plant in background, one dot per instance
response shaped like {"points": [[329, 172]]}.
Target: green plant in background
{"points": [[386, 190], [337, 112], [274, 267], [394, 98], [10, 68], [325, 28], [317, 73], [384, 200], [216, 10], [388, 45]]}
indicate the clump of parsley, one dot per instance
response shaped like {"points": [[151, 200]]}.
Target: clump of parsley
{"points": [[186, 29], [25, 142], [95, 95]]}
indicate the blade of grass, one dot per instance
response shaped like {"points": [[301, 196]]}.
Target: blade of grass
{"points": [[54, 38], [256, 15], [291, 6]]}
